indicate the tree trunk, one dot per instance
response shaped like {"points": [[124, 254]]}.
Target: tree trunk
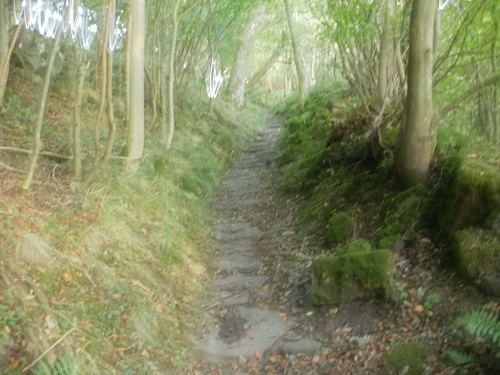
{"points": [[239, 71], [171, 78], [4, 49], [135, 136], [383, 57], [297, 55], [417, 138], [77, 106], [37, 129]]}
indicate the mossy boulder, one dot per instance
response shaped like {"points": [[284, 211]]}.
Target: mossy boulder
{"points": [[478, 257], [352, 276], [405, 358], [479, 184], [356, 246], [339, 229], [467, 195]]}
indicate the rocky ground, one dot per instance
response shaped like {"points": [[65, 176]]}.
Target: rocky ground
{"points": [[259, 319]]}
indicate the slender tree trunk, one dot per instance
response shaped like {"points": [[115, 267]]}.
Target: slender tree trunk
{"points": [[37, 129], [135, 139], [239, 71], [171, 78], [102, 101], [4, 49], [417, 138], [383, 57], [128, 53], [297, 55], [494, 103], [77, 106], [164, 102], [111, 116]]}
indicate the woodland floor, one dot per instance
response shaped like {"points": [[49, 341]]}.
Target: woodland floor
{"points": [[258, 316]]}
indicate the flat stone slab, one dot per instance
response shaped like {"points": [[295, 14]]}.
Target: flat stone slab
{"points": [[264, 328], [240, 261], [303, 345], [246, 233], [232, 247], [238, 230], [238, 299], [240, 282]]}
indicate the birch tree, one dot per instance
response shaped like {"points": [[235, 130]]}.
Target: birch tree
{"points": [[137, 34]]}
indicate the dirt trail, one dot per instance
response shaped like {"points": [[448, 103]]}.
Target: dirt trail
{"points": [[247, 321]]}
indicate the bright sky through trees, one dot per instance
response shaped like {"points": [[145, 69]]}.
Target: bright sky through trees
{"points": [[45, 16]]}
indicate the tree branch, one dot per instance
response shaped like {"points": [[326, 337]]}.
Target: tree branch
{"points": [[456, 102]]}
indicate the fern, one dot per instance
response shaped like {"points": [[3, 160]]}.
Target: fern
{"points": [[482, 324], [461, 360]]}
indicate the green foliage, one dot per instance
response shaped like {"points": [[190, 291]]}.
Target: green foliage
{"points": [[432, 300], [20, 111], [407, 356], [305, 135], [482, 340], [63, 366], [482, 323], [460, 360]]}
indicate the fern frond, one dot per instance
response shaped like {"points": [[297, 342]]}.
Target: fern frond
{"points": [[484, 324], [460, 359]]}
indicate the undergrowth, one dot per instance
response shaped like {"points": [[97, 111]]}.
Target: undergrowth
{"points": [[108, 278]]}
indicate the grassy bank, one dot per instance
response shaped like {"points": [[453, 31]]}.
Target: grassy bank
{"points": [[107, 277]]}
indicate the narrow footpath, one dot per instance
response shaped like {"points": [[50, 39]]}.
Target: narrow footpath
{"points": [[245, 320]]}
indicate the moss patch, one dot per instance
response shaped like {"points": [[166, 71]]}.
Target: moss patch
{"points": [[478, 256], [356, 246], [352, 276], [339, 229], [405, 358]]}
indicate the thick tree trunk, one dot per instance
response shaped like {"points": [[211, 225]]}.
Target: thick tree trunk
{"points": [[417, 138], [297, 56], [135, 136], [239, 71]]}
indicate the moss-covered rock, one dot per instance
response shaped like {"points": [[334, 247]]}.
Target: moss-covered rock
{"points": [[405, 358], [339, 229], [352, 276], [478, 257], [357, 246]]}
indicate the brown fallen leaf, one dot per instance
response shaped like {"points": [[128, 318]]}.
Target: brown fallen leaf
{"points": [[258, 354], [67, 277]]}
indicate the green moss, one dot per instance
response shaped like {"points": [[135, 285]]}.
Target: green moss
{"points": [[352, 276], [410, 355], [339, 229], [356, 246], [477, 252], [393, 242]]}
